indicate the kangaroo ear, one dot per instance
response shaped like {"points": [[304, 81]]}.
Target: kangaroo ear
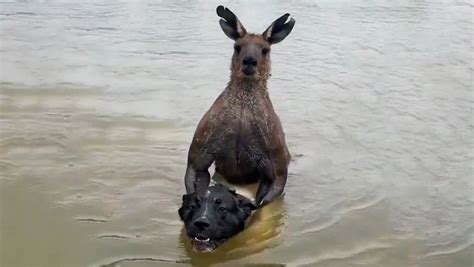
{"points": [[279, 29], [230, 24]]}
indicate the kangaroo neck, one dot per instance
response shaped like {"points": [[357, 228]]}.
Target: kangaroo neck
{"points": [[246, 85], [246, 93]]}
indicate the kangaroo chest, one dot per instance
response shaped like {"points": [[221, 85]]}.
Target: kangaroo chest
{"points": [[241, 132]]}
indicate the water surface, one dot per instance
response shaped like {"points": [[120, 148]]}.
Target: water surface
{"points": [[99, 102]]}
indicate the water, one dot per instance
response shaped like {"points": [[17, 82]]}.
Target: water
{"points": [[99, 102]]}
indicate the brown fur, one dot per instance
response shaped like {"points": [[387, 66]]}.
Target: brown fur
{"points": [[241, 132]]}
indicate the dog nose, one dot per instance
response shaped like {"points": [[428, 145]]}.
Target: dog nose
{"points": [[202, 223], [249, 61]]}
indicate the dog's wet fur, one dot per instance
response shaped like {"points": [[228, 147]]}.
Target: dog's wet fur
{"points": [[213, 216]]}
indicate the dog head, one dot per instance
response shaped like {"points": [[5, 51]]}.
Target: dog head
{"points": [[213, 216]]}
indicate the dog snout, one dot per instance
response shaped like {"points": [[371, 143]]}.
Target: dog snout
{"points": [[202, 223], [249, 61]]}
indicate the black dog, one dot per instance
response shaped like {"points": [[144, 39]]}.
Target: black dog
{"points": [[214, 215]]}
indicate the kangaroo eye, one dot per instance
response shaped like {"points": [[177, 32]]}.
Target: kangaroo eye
{"points": [[265, 51], [237, 48]]}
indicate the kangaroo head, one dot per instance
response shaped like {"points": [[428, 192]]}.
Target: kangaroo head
{"points": [[251, 58]]}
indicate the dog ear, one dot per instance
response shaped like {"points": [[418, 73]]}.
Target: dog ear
{"points": [[181, 213], [232, 190], [181, 209], [185, 197], [245, 205]]}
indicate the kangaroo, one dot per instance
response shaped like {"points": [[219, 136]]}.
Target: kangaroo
{"points": [[241, 133]]}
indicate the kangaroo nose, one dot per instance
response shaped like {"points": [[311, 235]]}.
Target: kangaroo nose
{"points": [[202, 223], [249, 61]]}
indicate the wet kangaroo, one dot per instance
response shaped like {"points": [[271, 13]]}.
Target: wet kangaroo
{"points": [[241, 133]]}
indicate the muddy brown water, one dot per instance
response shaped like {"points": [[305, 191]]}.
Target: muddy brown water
{"points": [[99, 102]]}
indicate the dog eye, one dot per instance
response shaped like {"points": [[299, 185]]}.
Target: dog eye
{"points": [[237, 48], [222, 209], [193, 207], [265, 51], [218, 201]]}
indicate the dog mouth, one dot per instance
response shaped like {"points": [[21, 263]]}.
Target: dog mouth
{"points": [[201, 239], [204, 244]]}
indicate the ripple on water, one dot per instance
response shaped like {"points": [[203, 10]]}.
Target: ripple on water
{"points": [[339, 213], [98, 105], [360, 254]]}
